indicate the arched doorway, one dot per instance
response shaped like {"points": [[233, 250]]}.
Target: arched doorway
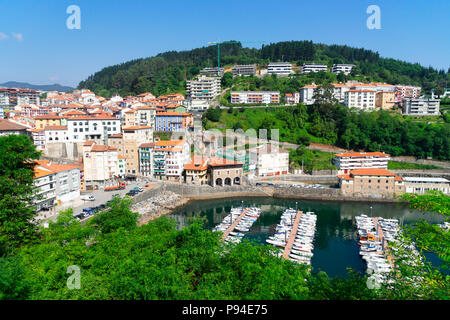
{"points": [[218, 182], [228, 181], [237, 180]]}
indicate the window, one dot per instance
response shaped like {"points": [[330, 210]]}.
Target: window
{"points": [[75, 130]]}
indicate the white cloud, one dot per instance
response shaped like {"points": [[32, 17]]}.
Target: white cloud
{"points": [[18, 36], [3, 36]]}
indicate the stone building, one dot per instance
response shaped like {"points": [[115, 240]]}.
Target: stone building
{"points": [[380, 183], [225, 172]]}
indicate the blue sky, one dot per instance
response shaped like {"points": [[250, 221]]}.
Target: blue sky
{"points": [[37, 47]]}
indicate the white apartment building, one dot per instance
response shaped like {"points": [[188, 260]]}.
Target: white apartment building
{"points": [[101, 165], [406, 92], [342, 68], [292, 98], [421, 185], [345, 162], [307, 93], [421, 107], [54, 134], [312, 67], [92, 128], [38, 137], [45, 184], [204, 88], [281, 69], [360, 99], [169, 159], [269, 160], [265, 97]]}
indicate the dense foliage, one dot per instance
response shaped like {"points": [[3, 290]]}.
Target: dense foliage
{"points": [[17, 153], [337, 125], [167, 72]]}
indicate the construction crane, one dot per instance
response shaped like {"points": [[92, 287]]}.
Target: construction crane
{"points": [[225, 42]]}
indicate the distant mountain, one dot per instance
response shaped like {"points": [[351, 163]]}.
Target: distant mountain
{"points": [[44, 87]]}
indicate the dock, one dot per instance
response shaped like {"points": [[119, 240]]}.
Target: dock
{"points": [[383, 242], [235, 223], [290, 242]]}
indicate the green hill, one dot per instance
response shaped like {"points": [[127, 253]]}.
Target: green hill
{"points": [[167, 72]]}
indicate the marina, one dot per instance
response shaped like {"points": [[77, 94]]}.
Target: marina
{"points": [[240, 219], [336, 238], [295, 233]]}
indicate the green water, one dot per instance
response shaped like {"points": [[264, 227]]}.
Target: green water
{"points": [[335, 243]]}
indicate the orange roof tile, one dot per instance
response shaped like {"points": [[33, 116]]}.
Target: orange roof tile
{"points": [[361, 154], [371, 172]]}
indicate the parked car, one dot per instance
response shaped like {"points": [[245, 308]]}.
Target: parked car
{"points": [[101, 207], [116, 195], [87, 197], [88, 211]]}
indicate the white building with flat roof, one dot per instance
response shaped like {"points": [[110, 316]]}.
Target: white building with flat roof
{"points": [[421, 185], [345, 162], [342, 68], [281, 69], [421, 107], [360, 99], [204, 88], [313, 67], [265, 97], [269, 160]]}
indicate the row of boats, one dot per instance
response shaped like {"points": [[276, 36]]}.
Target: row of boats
{"points": [[237, 233], [374, 234], [302, 246]]}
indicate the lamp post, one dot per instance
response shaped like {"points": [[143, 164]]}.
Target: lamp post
{"points": [[371, 211]]}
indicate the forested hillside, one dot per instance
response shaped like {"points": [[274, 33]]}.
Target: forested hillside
{"points": [[167, 72]]}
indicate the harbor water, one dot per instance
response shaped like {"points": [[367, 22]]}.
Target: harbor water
{"points": [[336, 237]]}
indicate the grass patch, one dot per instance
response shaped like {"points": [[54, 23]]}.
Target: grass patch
{"points": [[396, 165]]}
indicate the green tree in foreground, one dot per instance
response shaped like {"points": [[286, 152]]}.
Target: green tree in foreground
{"points": [[17, 155]]}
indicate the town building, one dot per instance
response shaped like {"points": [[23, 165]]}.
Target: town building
{"points": [[385, 100], [116, 141], [360, 99], [421, 185], [379, 183], [54, 134], [345, 162], [101, 165], [292, 98], [313, 67], [421, 107], [45, 189], [269, 160], [51, 119], [342, 68], [244, 70], [97, 128], [173, 121], [406, 92], [249, 97], [204, 88], [8, 127], [225, 172], [169, 159], [146, 159], [122, 166], [196, 171], [133, 137], [307, 93], [38, 137], [10, 97], [281, 69]]}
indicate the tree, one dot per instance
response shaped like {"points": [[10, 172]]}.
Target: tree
{"points": [[119, 216], [17, 225]]}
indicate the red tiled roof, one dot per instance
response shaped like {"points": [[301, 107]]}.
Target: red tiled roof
{"points": [[371, 172], [361, 154], [102, 148]]}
